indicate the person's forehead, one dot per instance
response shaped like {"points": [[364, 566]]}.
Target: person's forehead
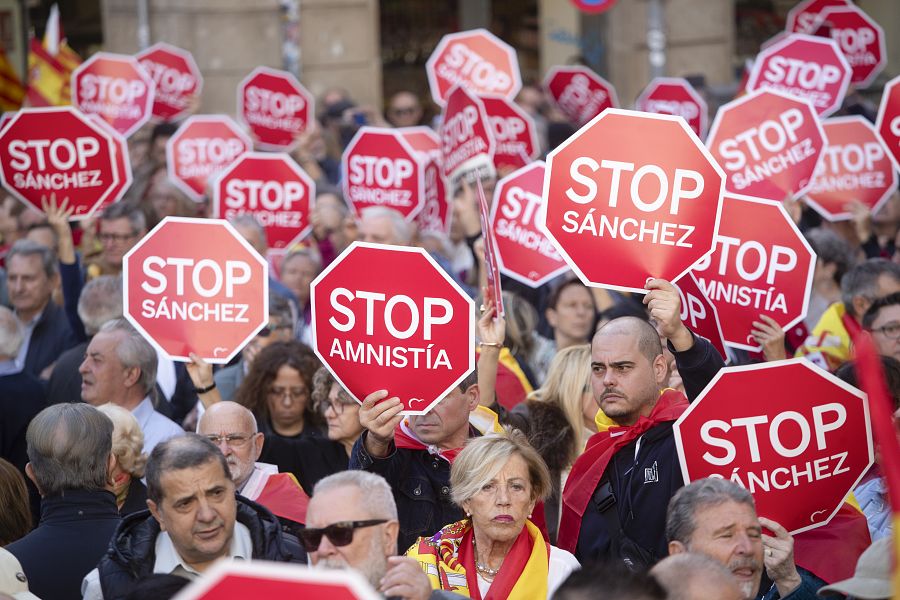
{"points": [[887, 284], [887, 315], [104, 342], [712, 517], [615, 345], [224, 421], [120, 223], [25, 264], [342, 503], [179, 483]]}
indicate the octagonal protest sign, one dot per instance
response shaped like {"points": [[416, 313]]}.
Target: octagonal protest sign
{"points": [[476, 60], [467, 145], [807, 66], [761, 264], [523, 251], [388, 317], [633, 185], [196, 286], [274, 189], [177, 79], [800, 453], [699, 314], [513, 130], [579, 93], [229, 579], [275, 107], [202, 147], [435, 216], [122, 160], [381, 169], [804, 17], [675, 96], [58, 150], [859, 37], [888, 123], [115, 87], [768, 143], [856, 167]]}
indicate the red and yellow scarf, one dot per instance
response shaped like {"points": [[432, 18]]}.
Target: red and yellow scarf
{"points": [[448, 559]]}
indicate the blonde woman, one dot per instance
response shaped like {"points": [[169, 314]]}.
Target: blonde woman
{"points": [[559, 418], [127, 446]]}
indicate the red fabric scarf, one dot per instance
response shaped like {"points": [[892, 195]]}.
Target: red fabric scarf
{"points": [[510, 570], [590, 466], [408, 440]]}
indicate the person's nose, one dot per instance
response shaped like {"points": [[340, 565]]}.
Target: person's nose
{"points": [[224, 447], [502, 496], [743, 545], [326, 548], [609, 379], [205, 512]]}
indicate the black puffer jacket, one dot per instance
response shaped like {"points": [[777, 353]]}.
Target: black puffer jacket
{"points": [[132, 551]]}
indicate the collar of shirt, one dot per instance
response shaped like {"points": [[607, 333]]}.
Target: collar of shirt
{"points": [[143, 411], [9, 367], [169, 561]]}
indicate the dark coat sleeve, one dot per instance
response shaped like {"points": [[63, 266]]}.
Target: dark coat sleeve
{"points": [[697, 365]]}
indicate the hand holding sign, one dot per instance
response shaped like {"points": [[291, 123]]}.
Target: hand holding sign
{"points": [[778, 556], [664, 305], [379, 417]]}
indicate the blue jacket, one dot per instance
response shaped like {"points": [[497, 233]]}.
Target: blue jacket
{"points": [[50, 337]]}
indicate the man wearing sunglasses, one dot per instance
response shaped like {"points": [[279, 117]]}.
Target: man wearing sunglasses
{"points": [[352, 523]]}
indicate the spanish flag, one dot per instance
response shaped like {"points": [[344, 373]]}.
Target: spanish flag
{"points": [[12, 92], [880, 407], [50, 66]]}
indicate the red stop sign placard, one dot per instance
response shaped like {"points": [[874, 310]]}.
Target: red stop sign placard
{"points": [[386, 317], [436, 214], [768, 143], [799, 453], [381, 169], [513, 130], [203, 146], [699, 314], [177, 79], [806, 66], [579, 93], [636, 186], [859, 37], [477, 60], [58, 150], [196, 285], [523, 251], [467, 146], [888, 123], [275, 106], [856, 167], [122, 160], [761, 264], [228, 579], [271, 187], [804, 16], [675, 96], [115, 87]]}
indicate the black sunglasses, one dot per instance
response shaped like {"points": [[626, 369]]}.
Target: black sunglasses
{"points": [[340, 534]]}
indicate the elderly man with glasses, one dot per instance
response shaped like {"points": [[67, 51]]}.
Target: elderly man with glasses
{"points": [[232, 428], [352, 524]]}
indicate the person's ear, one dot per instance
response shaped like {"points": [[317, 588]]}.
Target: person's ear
{"points": [[111, 463], [157, 514], [660, 368], [260, 439], [676, 547], [473, 397], [860, 305], [132, 376], [389, 540], [551, 317], [29, 472]]}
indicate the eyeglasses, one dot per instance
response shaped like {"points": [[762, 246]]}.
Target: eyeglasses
{"points": [[339, 534], [890, 331], [337, 406], [271, 328], [403, 110], [115, 237], [234, 440], [293, 394]]}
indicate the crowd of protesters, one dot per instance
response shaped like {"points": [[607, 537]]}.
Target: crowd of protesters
{"points": [[125, 474]]}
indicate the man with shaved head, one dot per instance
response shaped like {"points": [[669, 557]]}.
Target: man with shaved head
{"points": [[233, 429], [614, 503], [690, 576]]}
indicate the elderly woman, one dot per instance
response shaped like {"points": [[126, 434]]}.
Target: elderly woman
{"points": [[277, 391], [496, 552], [127, 446]]}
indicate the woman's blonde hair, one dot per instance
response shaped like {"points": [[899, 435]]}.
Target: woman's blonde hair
{"points": [[567, 380], [128, 439], [484, 457]]}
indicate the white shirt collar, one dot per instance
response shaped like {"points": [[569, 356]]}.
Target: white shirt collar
{"points": [[168, 560]]}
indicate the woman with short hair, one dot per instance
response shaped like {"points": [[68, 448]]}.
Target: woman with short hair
{"points": [[127, 446], [496, 551]]}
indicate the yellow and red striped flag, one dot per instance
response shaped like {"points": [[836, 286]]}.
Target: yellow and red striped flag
{"points": [[50, 65], [873, 384], [12, 92]]}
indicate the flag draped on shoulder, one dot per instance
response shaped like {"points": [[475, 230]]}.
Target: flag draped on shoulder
{"points": [[50, 66]]}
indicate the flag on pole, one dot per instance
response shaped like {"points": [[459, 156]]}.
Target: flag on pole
{"points": [[12, 92], [50, 65]]}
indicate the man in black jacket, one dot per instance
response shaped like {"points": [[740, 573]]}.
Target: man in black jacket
{"points": [[418, 467], [195, 520], [70, 458]]}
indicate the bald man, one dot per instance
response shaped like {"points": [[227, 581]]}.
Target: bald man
{"points": [[615, 499], [692, 576], [233, 429]]}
